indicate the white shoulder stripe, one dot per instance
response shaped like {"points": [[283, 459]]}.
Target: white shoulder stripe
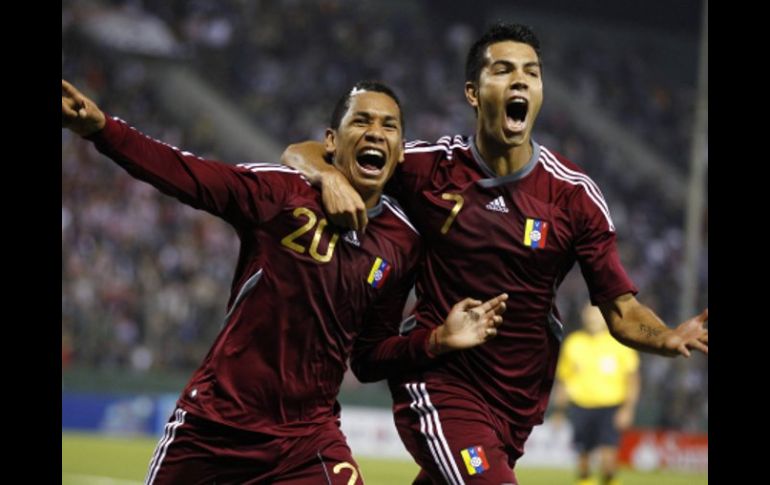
{"points": [[592, 188], [263, 164], [429, 148], [439, 146], [457, 141], [273, 167], [446, 144], [571, 174], [567, 171], [561, 172], [400, 214], [415, 142]]}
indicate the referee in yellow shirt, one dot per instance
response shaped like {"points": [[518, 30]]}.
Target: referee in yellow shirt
{"points": [[599, 378]]}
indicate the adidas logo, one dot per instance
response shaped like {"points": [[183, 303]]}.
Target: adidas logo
{"points": [[352, 238], [498, 205]]}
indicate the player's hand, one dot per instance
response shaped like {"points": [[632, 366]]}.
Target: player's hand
{"points": [[78, 113], [469, 323], [343, 205], [691, 334]]}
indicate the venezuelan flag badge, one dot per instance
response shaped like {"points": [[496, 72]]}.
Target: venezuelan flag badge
{"points": [[475, 460], [535, 233], [379, 272]]}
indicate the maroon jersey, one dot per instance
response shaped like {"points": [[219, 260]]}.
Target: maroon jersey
{"points": [[485, 234], [301, 290]]}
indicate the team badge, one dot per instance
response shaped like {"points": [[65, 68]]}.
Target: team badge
{"points": [[535, 233], [379, 272], [475, 460]]}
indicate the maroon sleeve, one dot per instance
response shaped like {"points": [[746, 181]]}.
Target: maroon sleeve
{"points": [[413, 173], [379, 351], [239, 195], [596, 248]]}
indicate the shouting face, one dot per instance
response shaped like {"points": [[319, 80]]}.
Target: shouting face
{"points": [[508, 94], [368, 143]]}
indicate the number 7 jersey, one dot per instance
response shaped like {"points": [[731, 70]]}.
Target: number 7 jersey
{"points": [[520, 234]]}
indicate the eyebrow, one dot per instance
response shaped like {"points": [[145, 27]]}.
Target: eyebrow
{"points": [[511, 64], [367, 114]]}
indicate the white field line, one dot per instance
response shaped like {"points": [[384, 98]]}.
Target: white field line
{"points": [[96, 480]]}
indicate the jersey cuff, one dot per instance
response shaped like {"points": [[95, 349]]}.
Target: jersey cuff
{"points": [[112, 133], [419, 341], [612, 293]]}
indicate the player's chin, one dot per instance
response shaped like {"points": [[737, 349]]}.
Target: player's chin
{"points": [[370, 181], [513, 139]]}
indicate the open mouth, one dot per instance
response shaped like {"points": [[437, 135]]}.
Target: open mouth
{"points": [[516, 114], [371, 160]]}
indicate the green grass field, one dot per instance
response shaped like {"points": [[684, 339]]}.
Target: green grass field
{"points": [[97, 460]]}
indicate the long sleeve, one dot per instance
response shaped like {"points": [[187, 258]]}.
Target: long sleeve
{"points": [[239, 194], [379, 351]]}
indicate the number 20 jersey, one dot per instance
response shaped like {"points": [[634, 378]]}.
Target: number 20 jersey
{"points": [[301, 292]]}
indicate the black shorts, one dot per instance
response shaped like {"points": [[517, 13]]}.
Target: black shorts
{"points": [[593, 427]]}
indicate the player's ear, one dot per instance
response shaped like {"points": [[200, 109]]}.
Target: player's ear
{"points": [[472, 94], [330, 141], [400, 153]]}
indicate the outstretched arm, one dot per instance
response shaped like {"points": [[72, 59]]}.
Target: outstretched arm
{"points": [[240, 195], [342, 203], [637, 326]]}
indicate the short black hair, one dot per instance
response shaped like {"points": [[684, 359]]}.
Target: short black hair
{"points": [[497, 33], [344, 102]]}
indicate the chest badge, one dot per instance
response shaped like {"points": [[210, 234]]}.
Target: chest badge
{"points": [[535, 233], [379, 272]]}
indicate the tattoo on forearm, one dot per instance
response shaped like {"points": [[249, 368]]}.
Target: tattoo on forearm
{"points": [[649, 331]]}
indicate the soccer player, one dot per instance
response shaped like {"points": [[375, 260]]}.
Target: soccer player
{"points": [[599, 379], [496, 210], [262, 407]]}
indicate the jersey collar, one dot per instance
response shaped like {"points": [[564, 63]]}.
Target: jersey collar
{"points": [[376, 209], [493, 179]]}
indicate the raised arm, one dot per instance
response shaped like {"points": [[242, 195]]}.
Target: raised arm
{"points": [[343, 205], [637, 326], [240, 195]]}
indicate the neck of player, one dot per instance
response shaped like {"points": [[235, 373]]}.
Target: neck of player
{"points": [[370, 197], [501, 158]]}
